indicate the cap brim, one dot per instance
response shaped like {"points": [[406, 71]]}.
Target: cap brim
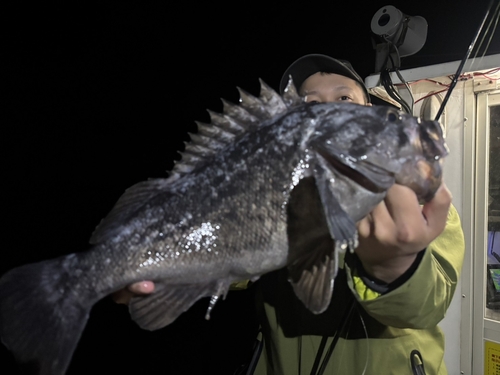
{"points": [[307, 65]]}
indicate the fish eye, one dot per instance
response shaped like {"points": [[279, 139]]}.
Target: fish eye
{"points": [[392, 116]]}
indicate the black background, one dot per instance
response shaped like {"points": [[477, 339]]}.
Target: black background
{"points": [[99, 96]]}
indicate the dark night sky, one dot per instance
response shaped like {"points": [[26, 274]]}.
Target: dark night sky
{"points": [[101, 97]]}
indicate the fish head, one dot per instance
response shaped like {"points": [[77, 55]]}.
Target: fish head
{"points": [[376, 146]]}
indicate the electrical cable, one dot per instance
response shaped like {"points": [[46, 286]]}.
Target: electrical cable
{"points": [[336, 338], [386, 81], [409, 90]]}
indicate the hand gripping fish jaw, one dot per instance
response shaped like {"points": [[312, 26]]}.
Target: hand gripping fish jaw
{"points": [[424, 174], [351, 172]]}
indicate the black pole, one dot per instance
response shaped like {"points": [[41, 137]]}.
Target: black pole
{"points": [[462, 63]]}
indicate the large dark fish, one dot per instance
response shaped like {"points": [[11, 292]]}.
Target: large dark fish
{"points": [[271, 182]]}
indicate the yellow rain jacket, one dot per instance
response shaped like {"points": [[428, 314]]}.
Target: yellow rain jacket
{"points": [[383, 328]]}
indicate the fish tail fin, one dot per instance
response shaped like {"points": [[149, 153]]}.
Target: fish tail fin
{"points": [[41, 316]]}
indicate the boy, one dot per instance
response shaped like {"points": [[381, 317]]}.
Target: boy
{"points": [[390, 295]]}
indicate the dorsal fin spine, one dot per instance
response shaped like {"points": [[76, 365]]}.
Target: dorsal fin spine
{"points": [[225, 122], [198, 150], [290, 96], [183, 168], [239, 114], [273, 102], [234, 121], [209, 142], [191, 158], [211, 130]]}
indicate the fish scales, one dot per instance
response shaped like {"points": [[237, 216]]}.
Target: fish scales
{"points": [[272, 182], [221, 212]]}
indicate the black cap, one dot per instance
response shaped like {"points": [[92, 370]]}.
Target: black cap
{"points": [[307, 65]]}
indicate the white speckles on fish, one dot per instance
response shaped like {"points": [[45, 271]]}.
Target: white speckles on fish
{"points": [[252, 192]]}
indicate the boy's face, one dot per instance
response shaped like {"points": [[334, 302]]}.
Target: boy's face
{"points": [[329, 87]]}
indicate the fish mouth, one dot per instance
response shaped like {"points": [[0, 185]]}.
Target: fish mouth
{"points": [[423, 176], [369, 176]]}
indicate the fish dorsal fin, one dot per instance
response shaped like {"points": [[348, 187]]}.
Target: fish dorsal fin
{"points": [[290, 96], [273, 102], [224, 129], [234, 121], [239, 114], [219, 132], [253, 105], [126, 207]]}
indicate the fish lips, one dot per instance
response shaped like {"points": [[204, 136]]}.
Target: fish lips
{"points": [[424, 180], [424, 173], [370, 176]]}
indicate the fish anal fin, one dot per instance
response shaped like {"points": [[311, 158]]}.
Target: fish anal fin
{"points": [[169, 301]]}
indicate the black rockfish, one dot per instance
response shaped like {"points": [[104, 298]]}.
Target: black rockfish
{"points": [[256, 190]]}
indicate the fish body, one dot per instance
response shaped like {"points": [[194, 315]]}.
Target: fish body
{"points": [[271, 182]]}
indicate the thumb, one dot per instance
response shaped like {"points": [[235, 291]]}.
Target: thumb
{"points": [[436, 210], [143, 287]]}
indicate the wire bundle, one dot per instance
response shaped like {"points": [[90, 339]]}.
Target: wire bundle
{"points": [[386, 81]]}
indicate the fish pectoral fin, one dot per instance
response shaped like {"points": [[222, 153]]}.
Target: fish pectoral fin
{"points": [[167, 302]]}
